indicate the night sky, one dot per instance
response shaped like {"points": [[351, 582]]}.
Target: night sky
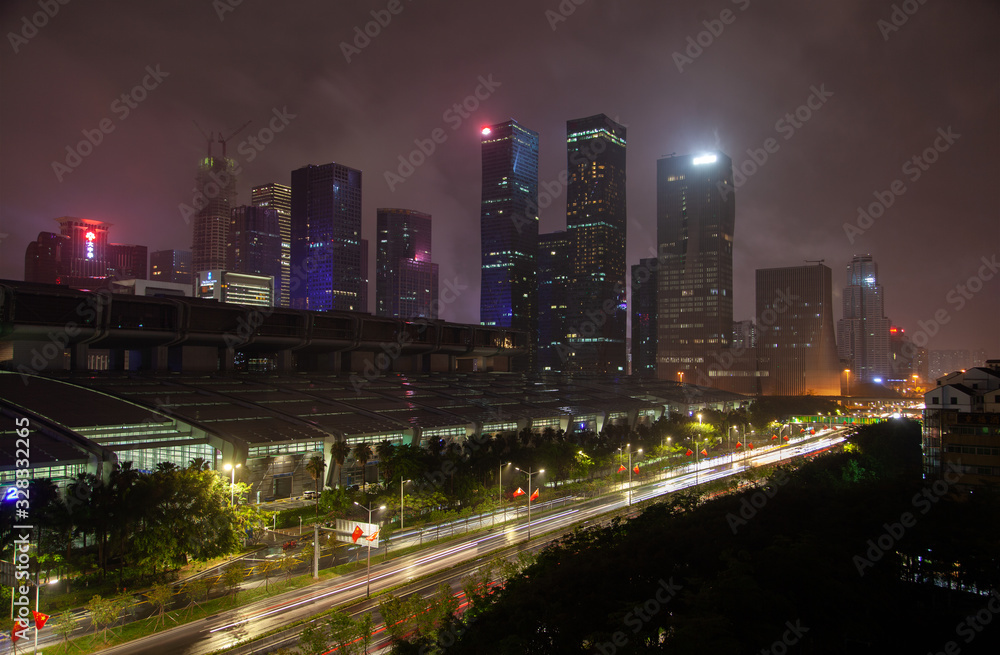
{"points": [[892, 90]]}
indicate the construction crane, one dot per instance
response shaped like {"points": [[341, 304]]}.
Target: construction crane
{"points": [[209, 137], [225, 140]]}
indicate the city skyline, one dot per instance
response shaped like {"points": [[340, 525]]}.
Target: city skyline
{"points": [[797, 198]]}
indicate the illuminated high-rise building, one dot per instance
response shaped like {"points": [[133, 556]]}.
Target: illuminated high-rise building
{"points": [[644, 318], [695, 217], [509, 233], [214, 196], [326, 238], [863, 332], [127, 261], [255, 244], [171, 266], [795, 338], [406, 280], [43, 258], [554, 271], [279, 198], [596, 218]]}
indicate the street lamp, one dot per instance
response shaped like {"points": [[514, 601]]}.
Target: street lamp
{"points": [[368, 584], [630, 453], [232, 481], [530, 473], [696, 472], [500, 494], [401, 483]]}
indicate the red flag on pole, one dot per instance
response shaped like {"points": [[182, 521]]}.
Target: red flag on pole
{"points": [[785, 438], [519, 492], [750, 445], [689, 453], [621, 467], [357, 533], [636, 469], [773, 437], [704, 452], [373, 536], [40, 619], [812, 431], [18, 630], [534, 495], [739, 445], [801, 430]]}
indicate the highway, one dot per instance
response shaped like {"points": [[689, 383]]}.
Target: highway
{"points": [[226, 629]]}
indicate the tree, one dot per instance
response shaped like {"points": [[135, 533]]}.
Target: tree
{"points": [[314, 639], [197, 588], [267, 569], [198, 464], [343, 632], [385, 450], [104, 612], [288, 564], [158, 596], [64, 624], [365, 628], [315, 467], [339, 451], [232, 576], [363, 454]]}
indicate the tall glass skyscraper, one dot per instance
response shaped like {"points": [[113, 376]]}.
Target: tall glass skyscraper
{"points": [[215, 193], [279, 198], [695, 216], [863, 333], [326, 238], [553, 280], [255, 244], [644, 318], [795, 331], [509, 233], [406, 280], [596, 217]]}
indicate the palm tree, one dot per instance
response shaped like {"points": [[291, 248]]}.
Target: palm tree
{"points": [[166, 467], [315, 467], [363, 454], [339, 451], [385, 451], [198, 464]]}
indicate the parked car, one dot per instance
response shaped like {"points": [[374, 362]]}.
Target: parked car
{"points": [[310, 494]]}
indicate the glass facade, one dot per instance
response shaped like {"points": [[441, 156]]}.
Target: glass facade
{"points": [[695, 216], [596, 218], [326, 238], [509, 232]]}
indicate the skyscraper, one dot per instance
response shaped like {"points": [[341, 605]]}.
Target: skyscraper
{"points": [[171, 266], [644, 318], [255, 243], [127, 261], [84, 261], [795, 331], [326, 238], [406, 280], [279, 197], [596, 220], [695, 217], [863, 332], [43, 258], [553, 279], [215, 196], [509, 233]]}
